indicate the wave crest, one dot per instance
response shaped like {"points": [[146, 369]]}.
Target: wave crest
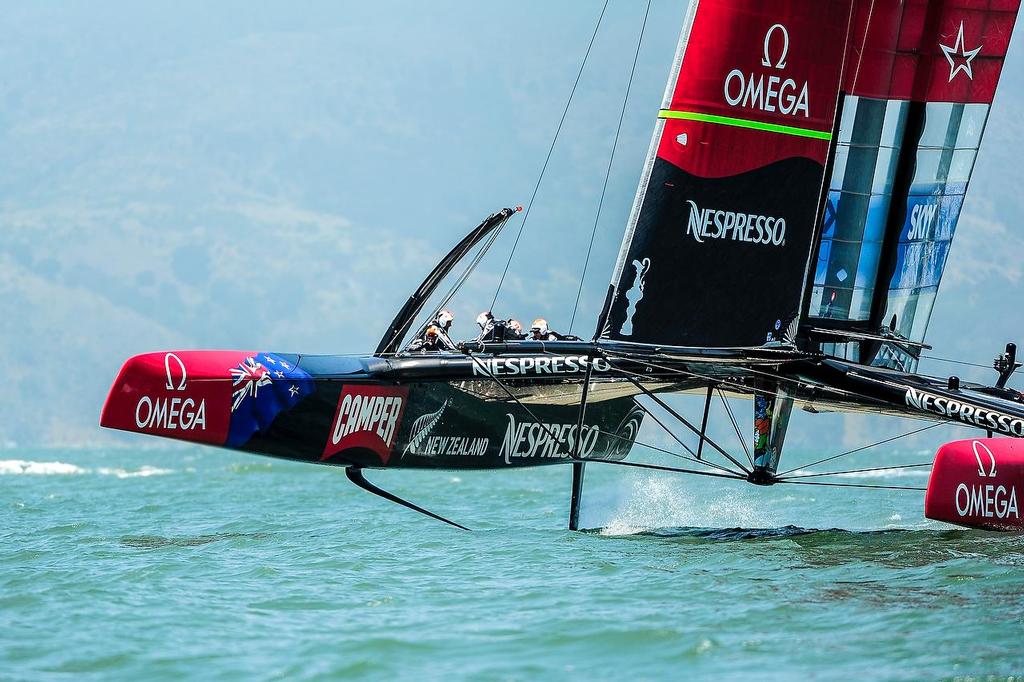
{"points": [[14, 467]]}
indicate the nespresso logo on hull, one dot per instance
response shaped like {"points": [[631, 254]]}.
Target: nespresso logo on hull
{"points": [[974, 415], [709, 223], [768, 92]]}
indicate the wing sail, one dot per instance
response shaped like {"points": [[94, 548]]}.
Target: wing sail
{"points": [[919, 83], [716, 251]]}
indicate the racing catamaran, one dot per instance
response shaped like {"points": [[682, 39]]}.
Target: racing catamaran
{"points": [[792, 222]]}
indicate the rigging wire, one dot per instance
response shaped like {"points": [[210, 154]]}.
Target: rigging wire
{"points": [[754, 390], [684, 446], [736, 426], [655, 467], [551, 149], [656, 448], [853, 485], [744, 387], [481, 252], [691, 457], [956, 362], [857, 471], [860, 449], [863, 45], [632, 378], [827, 459], [611, 160]]}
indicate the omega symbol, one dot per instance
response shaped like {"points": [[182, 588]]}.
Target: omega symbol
{"points": [[767, 59], [981, 466], [170, 378]]}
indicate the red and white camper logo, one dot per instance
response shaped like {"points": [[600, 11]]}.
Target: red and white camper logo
{"points": [[367, 417]]}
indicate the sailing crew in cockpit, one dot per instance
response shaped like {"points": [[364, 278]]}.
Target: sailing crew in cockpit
{"points": [[514, 330], [495, 330], [428, 342], [443, 321], [435, 334], [444, 324], [539, 331], [486, 322]]}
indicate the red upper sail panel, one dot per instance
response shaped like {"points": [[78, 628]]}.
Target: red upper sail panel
{"points": [[929, 50], [783, 63], [775, 63]]}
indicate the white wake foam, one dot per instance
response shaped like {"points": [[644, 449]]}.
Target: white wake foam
{"points": [[143, 472], [20, 466], [658, 502], [29, 468]]}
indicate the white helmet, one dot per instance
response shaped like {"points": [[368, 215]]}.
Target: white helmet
{"points": [[484, 318], [445, 318], [539, 326]]}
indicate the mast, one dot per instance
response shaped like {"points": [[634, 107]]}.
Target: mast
{"points": [[652, 152]]}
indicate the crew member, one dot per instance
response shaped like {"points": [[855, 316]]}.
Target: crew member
{"points": [[539, 331], [486, 322], [443, 323], [434, 336], [514, 330], [429, 342]]}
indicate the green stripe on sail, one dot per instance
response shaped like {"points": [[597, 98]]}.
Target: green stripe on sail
{"points": [[745, 123]]}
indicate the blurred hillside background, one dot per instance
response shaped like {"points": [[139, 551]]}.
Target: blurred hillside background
{"points": [[191, 175]]}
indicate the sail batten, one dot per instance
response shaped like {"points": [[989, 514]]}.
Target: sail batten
{"points": [[746, 123]]}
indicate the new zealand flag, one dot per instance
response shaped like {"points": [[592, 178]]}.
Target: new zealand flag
{"points": [[262, 386]]}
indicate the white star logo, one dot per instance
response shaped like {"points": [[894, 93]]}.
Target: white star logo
{"points": [[287, 366], [279, 374], [960, 59], [267, 358], [294, 390]]}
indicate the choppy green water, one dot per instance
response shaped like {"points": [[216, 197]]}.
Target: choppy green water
{"points": [[167, 564]]}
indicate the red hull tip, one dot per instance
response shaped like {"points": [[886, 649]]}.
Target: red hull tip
{"points": [[185, 395], [978, 483]]}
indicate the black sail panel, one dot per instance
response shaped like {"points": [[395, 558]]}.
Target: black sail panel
{"points": [[724, 285], [717, 248]]}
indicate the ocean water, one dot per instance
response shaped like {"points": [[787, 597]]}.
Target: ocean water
{"points": [[194, 563]]}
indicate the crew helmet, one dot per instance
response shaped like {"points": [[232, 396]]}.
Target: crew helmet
{"points": [[539, 326], [445, 318], [515, 326], [484, 318]]}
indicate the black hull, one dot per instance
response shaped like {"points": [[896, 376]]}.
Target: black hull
{"points": [[503, 406]]}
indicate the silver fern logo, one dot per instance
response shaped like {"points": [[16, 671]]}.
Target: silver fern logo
{"points": [[625, 433], [421, 429]]}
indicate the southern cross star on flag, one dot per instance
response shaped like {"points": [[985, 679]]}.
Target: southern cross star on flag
{"points": [[263, 385]]}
